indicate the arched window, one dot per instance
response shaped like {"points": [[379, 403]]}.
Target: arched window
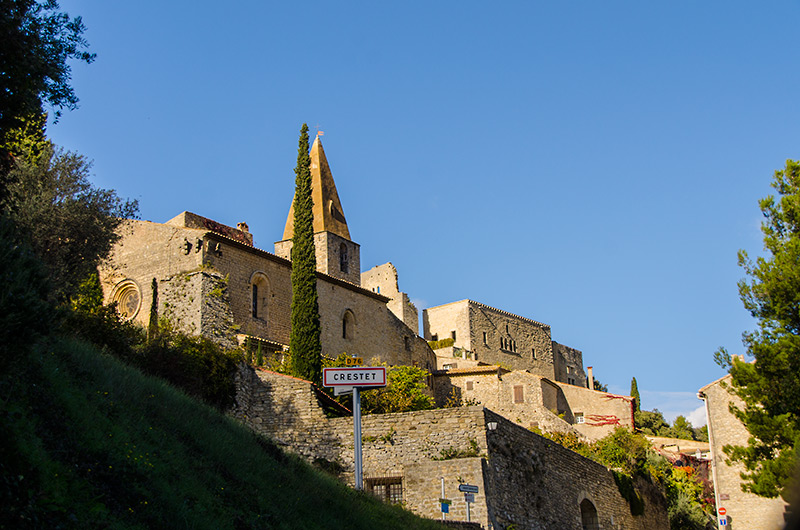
{"points": [[128, 297], [259, 296], [343, 261], [348, 325], [589, 520]]}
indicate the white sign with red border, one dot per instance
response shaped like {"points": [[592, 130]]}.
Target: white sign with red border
{"points": [[361, 376]]}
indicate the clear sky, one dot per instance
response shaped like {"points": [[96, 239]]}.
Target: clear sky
{"points": [[591, 165]]}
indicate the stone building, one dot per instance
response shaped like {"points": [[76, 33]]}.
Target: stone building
{"points": [[524, 480], [492, 336], [535, 402], [213, 281], [744, 511]]}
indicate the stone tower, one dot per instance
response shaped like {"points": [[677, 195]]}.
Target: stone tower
{"points": [[337, 255]]}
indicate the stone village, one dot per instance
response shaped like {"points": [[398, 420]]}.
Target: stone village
{"points": [[214, 281]]}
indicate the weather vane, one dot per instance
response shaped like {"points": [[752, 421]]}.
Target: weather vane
{"points": [[319, 133]]}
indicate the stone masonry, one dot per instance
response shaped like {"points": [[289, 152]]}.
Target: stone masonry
{"points": [[745, 511], [535, 402], [524, 479]]}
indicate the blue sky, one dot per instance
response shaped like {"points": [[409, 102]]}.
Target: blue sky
{"points": [[594, 166]]}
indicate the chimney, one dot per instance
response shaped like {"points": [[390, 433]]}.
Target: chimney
{"points": [[591, 377]]}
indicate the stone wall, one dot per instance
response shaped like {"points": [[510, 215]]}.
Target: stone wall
{"points": [[744, 510], [495, 336], [382, 279], [568, 363], [208, 283], [526, 399], [327, 251], [602, 412], [538, 484], [534, 402], [165, 252], [523, 479]]}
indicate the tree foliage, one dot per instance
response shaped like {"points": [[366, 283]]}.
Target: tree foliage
{"points": [[38, 42], [71, 225], [406, 391], [304, 340], [637, 401], [24, 310], [770, 387]]}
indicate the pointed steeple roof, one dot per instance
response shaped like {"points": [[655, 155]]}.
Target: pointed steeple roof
{"points": [[327, 209]]}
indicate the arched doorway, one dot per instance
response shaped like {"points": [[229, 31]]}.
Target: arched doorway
{"points": [[589, 516]]}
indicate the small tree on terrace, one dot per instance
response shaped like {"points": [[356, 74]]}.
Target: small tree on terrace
{"points": [[304, 340]]}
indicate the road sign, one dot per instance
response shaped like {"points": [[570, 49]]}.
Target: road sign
{"points": [[353, 361], [723, 521], [446, 501], [722, 511], [468, 488], [339, 390], [469, 497], [362, 376], [445, 508]]}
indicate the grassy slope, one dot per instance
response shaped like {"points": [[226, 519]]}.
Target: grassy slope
{"points": [[88, 442]]}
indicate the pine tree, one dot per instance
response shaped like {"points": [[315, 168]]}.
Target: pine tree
{"points": [[637, 405], [304, 341], [770, 387]]}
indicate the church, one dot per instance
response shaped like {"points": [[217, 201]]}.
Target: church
{"points": [[210, 279]]}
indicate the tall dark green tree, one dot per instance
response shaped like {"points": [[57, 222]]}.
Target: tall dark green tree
{"points": [[70, 224], [770, 387], [304, 341], [637, 405], [39, 40]]}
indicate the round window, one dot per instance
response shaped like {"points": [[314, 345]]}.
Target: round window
{"points": [[128, 299]]}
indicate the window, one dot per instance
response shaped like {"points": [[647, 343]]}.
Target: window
{"points": [[519, 394], [343, 262], [453, 335], [434, 337], [484, 338], [348, 325], [407, 343], [388, 489], [533, 353], [469, 385], [128, 298], [579, 417], [259, 295]]}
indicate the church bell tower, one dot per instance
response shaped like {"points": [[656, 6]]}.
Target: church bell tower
{"points": [[337, 255]]}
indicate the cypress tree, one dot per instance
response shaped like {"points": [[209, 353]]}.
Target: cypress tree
{"points": [[637, 406], [152, 325], [304, 341]]}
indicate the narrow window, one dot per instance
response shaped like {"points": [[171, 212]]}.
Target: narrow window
{"points": [[343, 262], [255, 301], [453, 335], [469, 385], [519, 396], [484, 338], [344, 327], [434, 337], [533, 353]]}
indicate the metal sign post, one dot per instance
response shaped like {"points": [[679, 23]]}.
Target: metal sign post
{"points": [[355, 378], [357, 438]]}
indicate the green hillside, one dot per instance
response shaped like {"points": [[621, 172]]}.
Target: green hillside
{"points": [[89, 442]]}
